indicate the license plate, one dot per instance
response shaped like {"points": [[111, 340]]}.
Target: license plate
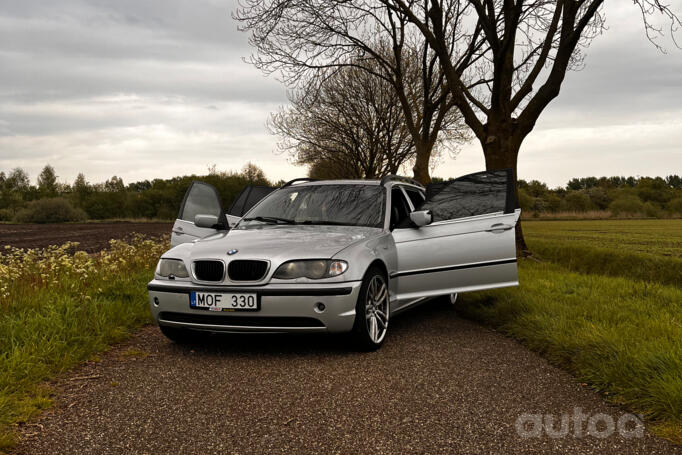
{"points": [[223, 302]]}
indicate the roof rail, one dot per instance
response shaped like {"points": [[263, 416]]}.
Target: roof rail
{"points": [[302, 179], [388, 178]]}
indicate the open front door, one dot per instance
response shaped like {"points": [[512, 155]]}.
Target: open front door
{"points": [[250, 196], [469, 244], [200, 199]]}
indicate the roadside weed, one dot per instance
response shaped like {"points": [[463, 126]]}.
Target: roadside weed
{"points": [[58, 307]]}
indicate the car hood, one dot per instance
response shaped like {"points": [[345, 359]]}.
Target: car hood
{"points": [[279, 243]]}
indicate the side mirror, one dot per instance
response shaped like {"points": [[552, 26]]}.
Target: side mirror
{"points": [[421, 218], [232, 220], [205, 221]]}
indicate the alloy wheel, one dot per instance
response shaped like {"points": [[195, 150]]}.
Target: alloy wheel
{"points": [[377, 309]]}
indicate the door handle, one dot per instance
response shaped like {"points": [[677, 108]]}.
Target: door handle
{"points": [[177, 231], [499, 227]]}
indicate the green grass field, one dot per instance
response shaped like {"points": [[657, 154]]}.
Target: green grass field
{"points": [[657, 237], [605, 304], [648, 250]]}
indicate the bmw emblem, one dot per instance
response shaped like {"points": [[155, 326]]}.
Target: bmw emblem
{"points": [[231, 252]]}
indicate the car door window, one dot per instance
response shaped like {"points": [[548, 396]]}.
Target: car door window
{"points": [[416, 197], [237, 207], [474, 194], [249, 197], [201, 199], [400, 209], [255, 196]]}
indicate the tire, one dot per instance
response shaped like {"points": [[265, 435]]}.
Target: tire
{"points": [[371, 311], [178, 335]]}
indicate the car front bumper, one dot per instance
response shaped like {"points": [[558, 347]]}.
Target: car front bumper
{"points": [[283, 308]]}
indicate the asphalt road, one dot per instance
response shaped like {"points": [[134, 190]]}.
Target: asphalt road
{"points": [[440, 384]]}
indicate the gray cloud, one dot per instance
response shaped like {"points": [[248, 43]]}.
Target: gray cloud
{"points": [[76, 49], [158, 88], [143, 89], [625, 79]]}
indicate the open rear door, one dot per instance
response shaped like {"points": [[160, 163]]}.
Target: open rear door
{"points": [[250, 196], [470, 242], [200, 199]]}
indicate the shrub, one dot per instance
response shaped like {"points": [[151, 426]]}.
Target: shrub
{"points": [[652, 210], [53, 210], [5, 215], [599, 197], [164, 213], [654, 189], [106, 204], [675, 205], [552, 202], [576, 201], [626, 204], [525, 200]]}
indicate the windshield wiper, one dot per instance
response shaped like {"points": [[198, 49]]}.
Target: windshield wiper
{"points": [[325, 223], [271, 219]]}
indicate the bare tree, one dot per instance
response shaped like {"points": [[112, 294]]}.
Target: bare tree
{"points": [[329, 170], [348, 123], [253, 174], [503, 61], [511, 58], [308, 38]]}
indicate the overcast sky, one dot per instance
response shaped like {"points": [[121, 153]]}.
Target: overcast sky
{"points": [[145, 89]]}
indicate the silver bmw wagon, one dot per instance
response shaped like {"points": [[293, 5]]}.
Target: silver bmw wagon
{"points": [[332, 256]]}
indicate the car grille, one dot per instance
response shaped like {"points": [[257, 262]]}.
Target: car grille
{"points": [[245, 270], [209, 270], [241, 321]]}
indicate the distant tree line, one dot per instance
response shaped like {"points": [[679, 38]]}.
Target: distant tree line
{"points": [[622, 196], [52, 201]]}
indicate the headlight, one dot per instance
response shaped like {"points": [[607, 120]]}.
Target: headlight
{"points": [[313, 269], [172, 267]]}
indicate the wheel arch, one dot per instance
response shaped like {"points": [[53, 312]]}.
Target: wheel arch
{"points": [[381, 266]]}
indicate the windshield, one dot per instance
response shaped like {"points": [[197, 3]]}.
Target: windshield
{"points": [[349, 205]]}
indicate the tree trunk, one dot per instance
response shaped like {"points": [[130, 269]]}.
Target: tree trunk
{"points": [[501, 151], [421, 163]]}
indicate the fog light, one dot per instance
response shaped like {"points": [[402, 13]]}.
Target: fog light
{"points": [[156, 301], [320, 307]]}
